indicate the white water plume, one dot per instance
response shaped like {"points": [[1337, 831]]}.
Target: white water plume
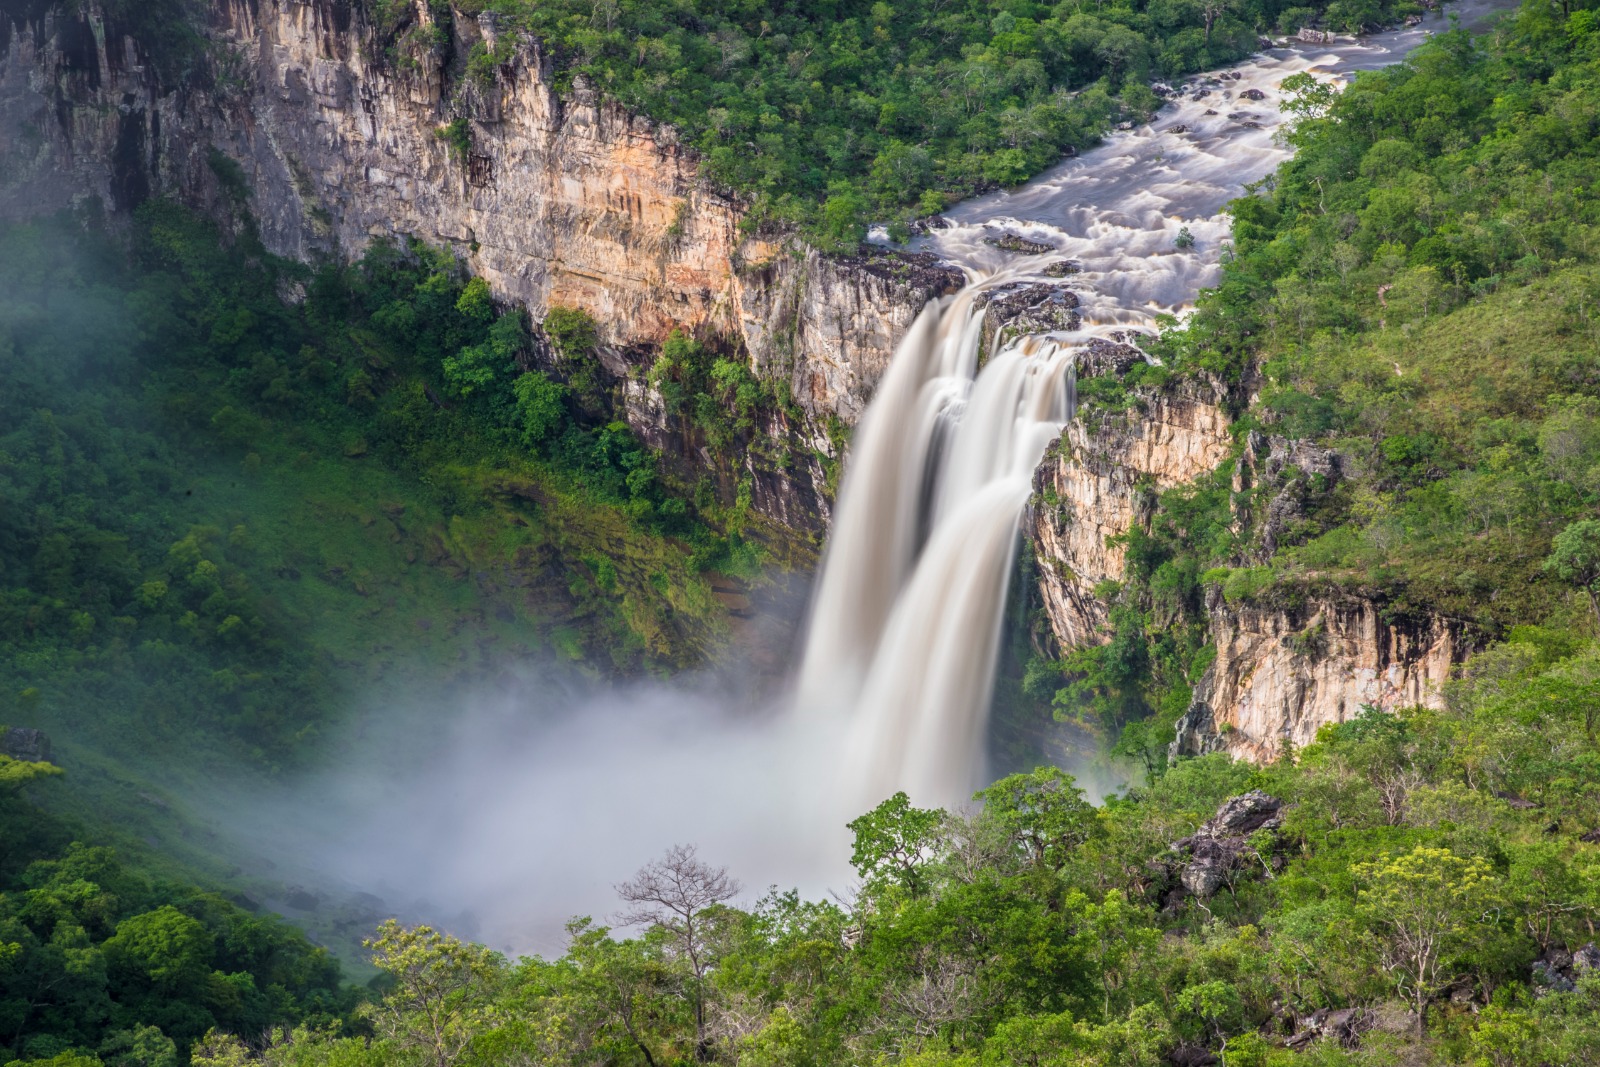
{"points": [[905, 625]]}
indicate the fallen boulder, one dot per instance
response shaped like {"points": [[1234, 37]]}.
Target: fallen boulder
{"points": [[20, 743], [1209, 859]]}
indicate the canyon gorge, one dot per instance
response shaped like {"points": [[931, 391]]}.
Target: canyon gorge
{"points": [[327, 137]]}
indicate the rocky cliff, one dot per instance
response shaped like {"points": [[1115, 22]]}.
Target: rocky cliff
{"points": [[345, 132], [1283, 668], [1284, 672], [1098, 479]]}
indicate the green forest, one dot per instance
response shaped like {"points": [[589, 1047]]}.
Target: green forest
{"points": [[833, 113], [236, 491]]}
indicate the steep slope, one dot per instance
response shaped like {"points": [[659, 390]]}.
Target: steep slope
{"points": [[339, 135]]}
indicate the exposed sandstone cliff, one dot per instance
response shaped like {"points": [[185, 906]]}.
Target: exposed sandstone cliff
{"points": [[1098, 480], [556, 199], [1284, 672]]}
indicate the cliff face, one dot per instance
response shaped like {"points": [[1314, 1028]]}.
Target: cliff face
{"points": [[1098, 480], [554, 199], [1282, 673]]}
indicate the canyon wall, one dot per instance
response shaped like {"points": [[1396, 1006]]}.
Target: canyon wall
{"points": [[1284, 672], [1100, 477], [554, 198]]}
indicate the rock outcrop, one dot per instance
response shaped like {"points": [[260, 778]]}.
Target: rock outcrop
{"points": [[1283, 672], [27, 745], [1096, 481], [1220, 851], [340, 134]]}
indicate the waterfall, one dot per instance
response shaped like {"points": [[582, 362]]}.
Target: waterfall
{"points": [[905, 626]]}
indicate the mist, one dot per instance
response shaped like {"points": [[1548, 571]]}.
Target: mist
{"points": [[508, 812]]}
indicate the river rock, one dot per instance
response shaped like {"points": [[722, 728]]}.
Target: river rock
{"points": [[1252, 94], [29, 746], [1178, 128], [1029, 309], [1061, 268], [1012, 242], [1307, 35], [1102, 356], [918, 269], [929, 224]]}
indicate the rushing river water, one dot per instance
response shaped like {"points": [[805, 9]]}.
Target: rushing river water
{"points": [[905, 627], [533, 805]]}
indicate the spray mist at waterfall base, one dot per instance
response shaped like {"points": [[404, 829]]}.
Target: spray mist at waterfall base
{"points": [[527, 807]]}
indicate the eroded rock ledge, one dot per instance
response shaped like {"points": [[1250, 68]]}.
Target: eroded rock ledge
{"points": [[1284, 671]]}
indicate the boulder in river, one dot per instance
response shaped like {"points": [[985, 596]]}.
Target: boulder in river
{"points": [[1019, 311], [1252, 94], [1102, 356], [1011, 242]]}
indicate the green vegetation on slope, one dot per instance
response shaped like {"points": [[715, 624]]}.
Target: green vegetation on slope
{"points": [[1425, 860], [1415, 298], [99, 964], [835, 112], [222, 514]]}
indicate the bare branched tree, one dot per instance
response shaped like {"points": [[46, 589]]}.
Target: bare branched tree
{"points": [[673, 894]]}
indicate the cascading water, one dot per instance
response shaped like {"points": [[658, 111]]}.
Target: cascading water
{"points": [[906, 621], [905, 625]]}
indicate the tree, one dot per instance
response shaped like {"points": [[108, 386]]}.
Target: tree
{"points": [[165, 947], [1423, 904], [1305, 97], [894, 841], [673, 894], [442, 994], [541, 407], [1575, 559], [15, 773], [1043, 812], [1210, 11]]}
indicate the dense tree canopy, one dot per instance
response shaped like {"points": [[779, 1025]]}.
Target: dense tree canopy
{"points": [[836, 112]]}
